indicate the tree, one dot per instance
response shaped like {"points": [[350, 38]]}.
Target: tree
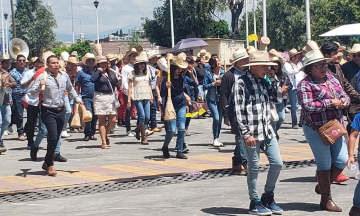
{"points": [[35, 23], [134, 41], [218, 29], [81, 47], [121, 33], [236, 7]]}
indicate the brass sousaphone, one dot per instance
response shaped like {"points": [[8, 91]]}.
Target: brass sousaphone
{"points": [[17, 47]]}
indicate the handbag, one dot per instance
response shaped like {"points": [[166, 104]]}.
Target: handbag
{"points": [[85, 114], [115, 96], [76, 122]]}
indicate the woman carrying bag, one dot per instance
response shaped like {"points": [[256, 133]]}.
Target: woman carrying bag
{"points": [[105, 100], [141, 93], [322, 100]]}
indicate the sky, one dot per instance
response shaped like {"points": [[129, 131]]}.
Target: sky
{"points": [[113, 14]]}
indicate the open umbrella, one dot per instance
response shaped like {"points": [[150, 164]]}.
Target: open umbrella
{"points": [[344, 31], [189, 43]]}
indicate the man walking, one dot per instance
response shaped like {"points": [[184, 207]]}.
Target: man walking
{"points": [[17, 94], [53, 105], [292, 69], [240, 58], [253, 95], [84, 86]]}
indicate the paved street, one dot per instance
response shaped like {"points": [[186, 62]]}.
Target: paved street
{"points": [[127, 159]]}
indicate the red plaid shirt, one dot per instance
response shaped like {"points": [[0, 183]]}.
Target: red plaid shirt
{"points": [[315, 100]]}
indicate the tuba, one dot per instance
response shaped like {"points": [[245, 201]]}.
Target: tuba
{"points": [[17, 47]]}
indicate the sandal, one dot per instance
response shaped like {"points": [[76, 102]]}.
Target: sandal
{"points": [[107, 141], [104, 146]]}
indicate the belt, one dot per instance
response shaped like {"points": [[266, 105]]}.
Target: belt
{"points": [[18, 93], [57, 109]]}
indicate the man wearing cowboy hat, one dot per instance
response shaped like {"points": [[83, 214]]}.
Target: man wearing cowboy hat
{"points": [[152, 68], [253, 95], [84, 86], [292, 69], [5, 108], [126, 70], [239, 59]]}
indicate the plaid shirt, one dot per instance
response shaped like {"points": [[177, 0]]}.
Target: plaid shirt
{"points": [[253, 116], [315, 100], [18, 75]]}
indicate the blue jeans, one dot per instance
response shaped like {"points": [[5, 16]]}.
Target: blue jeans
{"points": [[153, 109], [90, 127], [68, 111], [356, 201], [5, 119], [294, 104], [128, 113], [280, 109], [171, 126], [216, 113], [143, 111], [239, 157], [272, 152], [42, 134], [18, 113], [326, 156]]}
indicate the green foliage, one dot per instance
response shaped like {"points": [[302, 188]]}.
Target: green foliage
{"points": [[192, 18], [121, 33], [81, 47], [34, 24], [59, 50], [134, 40], [286, 21], [218, 29]]}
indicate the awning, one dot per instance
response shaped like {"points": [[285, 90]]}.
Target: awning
{"points": [[343, 31]]}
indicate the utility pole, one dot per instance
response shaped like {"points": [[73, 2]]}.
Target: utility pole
{"points": [[13, 18], [2, 30], [308, 29], [247, 24], [254, 12], [172, 25], [72, 22]]}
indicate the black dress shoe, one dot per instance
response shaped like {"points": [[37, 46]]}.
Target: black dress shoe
{"points": [[181, 155], [166, 153], [93, 137], [86, 138], [58, 157], [185, 149], [33, 153]]}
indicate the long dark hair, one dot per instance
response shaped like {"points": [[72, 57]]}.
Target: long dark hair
{"points": [[279, 72], [172, 70], [213, 64], [137, 70], [112, 76]]}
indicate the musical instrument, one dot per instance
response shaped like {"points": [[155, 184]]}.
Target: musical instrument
{"points": [[17, 47]]}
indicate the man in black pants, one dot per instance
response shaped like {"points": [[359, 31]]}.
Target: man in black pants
{"points": [[240, 58], [53, 83]]}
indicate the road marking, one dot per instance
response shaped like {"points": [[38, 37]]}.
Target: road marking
{"points": [[212, 158], [178, 163], [134, 169], [34, 182], [4, 192], [86, 175]]}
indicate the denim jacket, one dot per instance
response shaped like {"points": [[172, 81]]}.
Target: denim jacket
{"points": [[212, 91]]}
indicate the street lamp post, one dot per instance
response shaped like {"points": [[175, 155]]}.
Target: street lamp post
{"points": [[254, 12], [264, 19], [308, 30], [72, 22], [2, 30], [6, 15], [96, 3], [247, 24], [172, 24]]}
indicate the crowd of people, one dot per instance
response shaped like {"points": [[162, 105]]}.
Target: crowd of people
{"points": [[251, 97]]}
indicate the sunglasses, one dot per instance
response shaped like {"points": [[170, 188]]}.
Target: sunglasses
{"points": [[356, 55], [320, 66], [21, 60], [91, 60]]}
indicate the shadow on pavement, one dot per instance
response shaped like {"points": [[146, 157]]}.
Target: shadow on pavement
{"points": [[300, 179], [39, 159], [229, 211], [305, 207], [88, 147]]}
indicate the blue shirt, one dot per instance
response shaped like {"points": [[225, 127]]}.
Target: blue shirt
{"points": [[83, 77], [152, 70], [18, 75], [356, 123]]}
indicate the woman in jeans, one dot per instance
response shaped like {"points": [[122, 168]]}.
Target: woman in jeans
{"points": [[322, 99], [212, 82], [180, 100], [191, 84], [141, 93], [105, 83], [286, 86]]}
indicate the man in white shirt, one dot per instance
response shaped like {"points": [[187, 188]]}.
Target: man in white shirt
{"points": [[126, 70], [292, 69]]}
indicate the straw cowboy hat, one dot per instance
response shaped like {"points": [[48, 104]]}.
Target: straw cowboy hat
{"points": [[73, 60], [202, 52], [46, 55], [111, 57], [207, 57], [250, 49], [4, 58], [119, 58], [355, 48], [33, 59], [314, 56], [101, 59], [239, 55], [293, 52], [153, 54], [259, 58], [277, 59], [178, 61], [74, 53], [274, 53], [132, 50], [142, 57], [162, 64], [182, 55], [88, 56]]}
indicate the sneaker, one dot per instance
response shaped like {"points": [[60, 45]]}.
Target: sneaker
{"points": [[130, 134], [216, 143], [58, 157], [257, 208], [6, 133], [185, 150], [287, 110], [267, 199], [149, 132], [354, 211], [64, 134], [341, 178], [222, 144], [295, 126]]}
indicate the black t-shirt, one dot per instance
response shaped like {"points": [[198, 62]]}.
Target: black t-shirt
{"points": [[350, 69], [200, 72]]}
